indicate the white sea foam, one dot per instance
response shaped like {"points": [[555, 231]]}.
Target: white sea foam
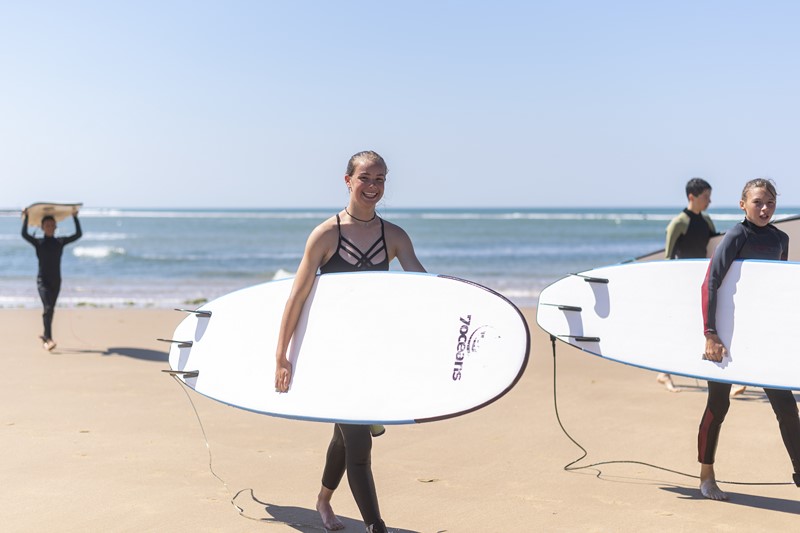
{"points": [[97, 252], [281, 274], [104, 236]]}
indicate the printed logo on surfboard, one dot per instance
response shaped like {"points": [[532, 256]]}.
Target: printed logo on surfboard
{"points": [[470, 341]]}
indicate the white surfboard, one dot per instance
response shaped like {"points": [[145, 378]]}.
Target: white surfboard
{"points": [[39, 210], [789, 225], [649, 315], [371, 348]]}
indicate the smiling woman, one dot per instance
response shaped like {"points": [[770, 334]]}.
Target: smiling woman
{"points": [[353, 240]]}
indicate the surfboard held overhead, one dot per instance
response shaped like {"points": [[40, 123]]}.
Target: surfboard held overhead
{"points": [[59, 211]]}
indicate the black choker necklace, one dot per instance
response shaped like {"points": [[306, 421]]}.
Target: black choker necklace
{"points": [[360, 219]]}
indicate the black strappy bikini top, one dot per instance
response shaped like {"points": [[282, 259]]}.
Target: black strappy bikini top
{"points": [[337, 262]]}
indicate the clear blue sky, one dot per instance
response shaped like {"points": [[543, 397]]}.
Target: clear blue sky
{"points": [[527, 104]]}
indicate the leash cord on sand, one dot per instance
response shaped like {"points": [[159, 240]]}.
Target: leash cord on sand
{"points": [[569, 467], [240, 510]]}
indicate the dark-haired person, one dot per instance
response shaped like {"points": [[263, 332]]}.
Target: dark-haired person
{"points": [[49, 250], [688, 235], [754, 238], [355, 239]]}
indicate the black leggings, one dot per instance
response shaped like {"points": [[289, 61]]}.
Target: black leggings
{"points": [[350, 449], [783, 404], [48, 292]]}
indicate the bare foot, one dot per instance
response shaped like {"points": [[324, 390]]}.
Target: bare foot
{"points": [[49, 344], [666, 380], [329, 518], [708, 484], [710, 490], [739, 389]]}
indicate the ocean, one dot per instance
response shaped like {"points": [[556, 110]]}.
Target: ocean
{"points": [[182, 257]]}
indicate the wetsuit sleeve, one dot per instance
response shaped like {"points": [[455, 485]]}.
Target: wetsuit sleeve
{"points": [[721, 262], [785, 246], [677, 227], [25, 235], [78, 232], [710, 223]]}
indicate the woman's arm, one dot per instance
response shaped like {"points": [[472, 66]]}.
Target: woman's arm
{"points": [[403, 249], [718, 267], [316, 252]]}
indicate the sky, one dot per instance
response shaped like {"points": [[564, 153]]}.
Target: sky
{"points": [[233, 103]]}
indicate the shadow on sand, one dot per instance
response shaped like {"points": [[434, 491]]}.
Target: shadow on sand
{"points": [[125, 351], [746, 500], [298, 518]]}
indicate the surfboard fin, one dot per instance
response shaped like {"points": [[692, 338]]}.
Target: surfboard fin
{"points": [[565, 307], [181, 344], [183, 373], [198, 312], [590, 279], [581, 338]]}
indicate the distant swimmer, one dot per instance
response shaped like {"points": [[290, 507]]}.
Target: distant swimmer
{"points": [[49, 250]]}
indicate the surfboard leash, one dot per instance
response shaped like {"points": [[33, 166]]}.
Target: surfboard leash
{"points": [[569, 466], [239, 510]]}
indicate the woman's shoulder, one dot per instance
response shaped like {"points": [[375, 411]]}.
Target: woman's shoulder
{"points": [[325, 230], [737, 233], [327, 225], [393, 230]]}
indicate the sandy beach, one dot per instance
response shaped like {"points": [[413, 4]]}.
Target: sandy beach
{"points": [[95, 437]]}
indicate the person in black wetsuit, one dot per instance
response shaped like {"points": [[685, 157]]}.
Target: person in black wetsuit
{"points": [[354, 239], [49, 249], [687, 237], [754, 238]]}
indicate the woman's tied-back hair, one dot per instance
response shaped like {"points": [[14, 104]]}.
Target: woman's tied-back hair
{"points": [[367, 155], [760, 183], [696, 187]]}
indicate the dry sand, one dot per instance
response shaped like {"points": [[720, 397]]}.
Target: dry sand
{"points": [[94, 437]]}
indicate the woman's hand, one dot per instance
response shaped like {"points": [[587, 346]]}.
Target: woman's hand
{"points": [[715, 350], [283, 375]]}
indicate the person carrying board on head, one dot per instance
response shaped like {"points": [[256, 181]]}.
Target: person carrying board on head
{"points": [[355, 239], [687, 237], [754, 238], [49, 250]]}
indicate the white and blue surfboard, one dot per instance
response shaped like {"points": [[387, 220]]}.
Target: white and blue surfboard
{"points": [[649, 315], [370, 348]]}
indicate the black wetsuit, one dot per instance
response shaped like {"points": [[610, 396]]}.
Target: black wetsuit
{"points": [[688, 235], [350, 448], [744, 241], [48, 280]]}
